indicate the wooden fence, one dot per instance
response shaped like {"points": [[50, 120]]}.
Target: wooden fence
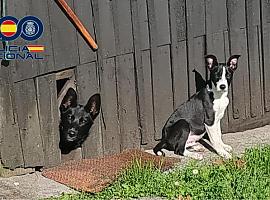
{"points": [[143, 70]]}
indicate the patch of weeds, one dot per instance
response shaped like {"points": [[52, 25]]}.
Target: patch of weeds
{"points": [[245, 178]]}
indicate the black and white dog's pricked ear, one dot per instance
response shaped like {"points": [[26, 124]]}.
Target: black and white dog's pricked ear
{"points": [[211, 61], [232, 62], [93, 105], [69, 100]]}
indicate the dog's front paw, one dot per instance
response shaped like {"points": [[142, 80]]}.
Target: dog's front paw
{"points": [[224, 154], [227, 147]]}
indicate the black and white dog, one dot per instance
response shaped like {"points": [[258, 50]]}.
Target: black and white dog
{"points": [[200, 114]]}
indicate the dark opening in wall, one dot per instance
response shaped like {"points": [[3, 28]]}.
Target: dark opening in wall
{"points": [[60, 84]]}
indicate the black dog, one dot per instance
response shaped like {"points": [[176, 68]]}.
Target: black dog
{"points": [[201, 113], [76, 120]]}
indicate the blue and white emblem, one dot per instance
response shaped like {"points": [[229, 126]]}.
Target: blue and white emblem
{"points": [[30, 28]]}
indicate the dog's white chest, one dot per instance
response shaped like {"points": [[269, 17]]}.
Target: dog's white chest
{"points": [[220, 106]]}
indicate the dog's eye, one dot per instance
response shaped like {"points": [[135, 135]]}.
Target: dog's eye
{"points": [[82, 120], [71, 117]]}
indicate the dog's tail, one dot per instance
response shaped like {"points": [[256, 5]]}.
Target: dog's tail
{"points": [[158, 148]]}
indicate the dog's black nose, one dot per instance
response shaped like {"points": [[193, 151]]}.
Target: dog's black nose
{"points": [[222, 86]]}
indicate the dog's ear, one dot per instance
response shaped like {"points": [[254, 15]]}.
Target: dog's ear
{"points": [[69, 100], [232, 62], [199, 81], [93, 105], [211, 61]]}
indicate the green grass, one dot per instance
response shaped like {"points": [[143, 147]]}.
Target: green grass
{"points": [[229, 180]]}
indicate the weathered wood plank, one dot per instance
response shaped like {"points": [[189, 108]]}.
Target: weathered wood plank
{"points": [[28, 120], [236, 14], [178, 21], [162, 20], [195, 18], [179, 51], [216, 16], [180, 73], [122, 26], [83, 9], [111, 125], [143, 21], [87, 84], [49, 119], [240, 89], [64, 38], [162, 89], [104, 27], [10, 149], [147, 114], [129, 129], [195, 14], [266, 61], [254, 56], [265, 9], [196, 53], [144, 81], [238, 45]]}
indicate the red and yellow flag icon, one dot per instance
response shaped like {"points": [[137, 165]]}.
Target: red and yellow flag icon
{"points": [[35, 48], [8, 28]]}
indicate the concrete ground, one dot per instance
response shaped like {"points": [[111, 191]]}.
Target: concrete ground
{"points": [[34, 186]]}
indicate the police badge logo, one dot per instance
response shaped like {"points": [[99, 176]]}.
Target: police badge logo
{"points": [[30, 28]]}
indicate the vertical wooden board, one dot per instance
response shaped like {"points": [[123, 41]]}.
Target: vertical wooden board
{"points": [[215, 46], [266, 64], [129, 129], [179, 51], [180, 73], [178, 21], [162, 89], [83, 9], [10, 148], [123, 26], [255, 65], [216, 16], [195, 18], [28, 120], [49, 119], [162, 20], [87, 85], [143, 75], [195, 13], [143, 24], [104, 27], [265, 10], [110, 125], [64, 38], [240, 89], [29, 68], [148, 130], [236, 14], [196, 53]]}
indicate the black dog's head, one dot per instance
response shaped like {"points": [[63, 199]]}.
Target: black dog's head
{"points": [[221, 73], [76, 120]]}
